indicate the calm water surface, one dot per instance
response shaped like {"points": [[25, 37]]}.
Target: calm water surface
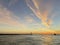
{"points": [[29, 39]]}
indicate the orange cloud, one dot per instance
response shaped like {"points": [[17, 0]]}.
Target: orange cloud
{"points": [[34, 5]]}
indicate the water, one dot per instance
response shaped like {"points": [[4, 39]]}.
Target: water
{"points": [[29, 39]]}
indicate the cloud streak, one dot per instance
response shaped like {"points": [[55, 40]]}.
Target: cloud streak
{"points": [[7, 17], [43, 15], [29, 19]]}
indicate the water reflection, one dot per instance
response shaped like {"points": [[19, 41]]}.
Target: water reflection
{"points": [[30, 40], [46, 40]]}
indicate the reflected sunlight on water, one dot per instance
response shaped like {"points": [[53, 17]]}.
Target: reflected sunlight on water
{"points": [[46, 40]]}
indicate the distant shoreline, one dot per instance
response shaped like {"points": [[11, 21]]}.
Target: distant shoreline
{"points": [[29, 34]]}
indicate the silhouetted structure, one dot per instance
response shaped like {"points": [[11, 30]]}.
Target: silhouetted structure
{"points": [[54, 33]]}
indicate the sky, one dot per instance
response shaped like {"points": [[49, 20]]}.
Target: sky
{"points": [[17, 16]]}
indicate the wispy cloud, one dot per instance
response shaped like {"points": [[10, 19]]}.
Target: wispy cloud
{"points": [[29, 19], [35, 6], [9, 18]]}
